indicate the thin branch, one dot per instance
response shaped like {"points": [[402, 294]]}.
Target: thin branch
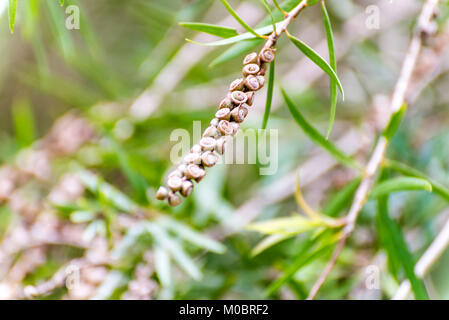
{"points": [[377, 157]]}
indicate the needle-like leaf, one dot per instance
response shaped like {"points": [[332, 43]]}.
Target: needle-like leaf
{"points": [[269, 101], [219, 31], [12, 9], [239, 20]]}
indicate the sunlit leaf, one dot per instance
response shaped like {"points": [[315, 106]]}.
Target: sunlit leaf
{"points": [[286, 226], [219, 31], [400, 184], [239, 20], [269, 242], [12, 10]]}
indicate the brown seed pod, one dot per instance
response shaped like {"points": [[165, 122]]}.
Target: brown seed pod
{"points": [[225, 127], [211, 131], [174, 183], [162, 193], [196, 149], [252, 83], [238, 97], [262, 71], [235, 127], [237, 85], [209, 159], [175, 173], [239, 114], [208, 143], [194, 172], [251, 59], [221, 145], [182, 169], [250, 100], [214, 122], [261, 80], [226, 103], [224, 114], [250, 69], [186, 188], [267, 55], [192, 158], [174, 200]]}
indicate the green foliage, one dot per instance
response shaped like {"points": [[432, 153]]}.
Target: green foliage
{"points": [[269, 100], [219, 31], [12, 10], [239, 20]]}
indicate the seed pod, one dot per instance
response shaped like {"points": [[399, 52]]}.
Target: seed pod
{"points": [[225, 127], [182, 169], [174, 183], [251, 58], [252, 83], [192, 158], [250, 100], [221, 145], [238, 97], [236, 85], [196, 149], [175, 173], [226, 103], [267, 55], [224, 114], [262, 71], [235, 127], [162, 193], [250, 69], [187, 188], [174, 200], [261, 80], [239, 114], [194, 172], [214, 122], [208, 144], [211, 131], [209, 159]]}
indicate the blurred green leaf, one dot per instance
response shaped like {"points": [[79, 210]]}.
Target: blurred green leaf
{"points": [[12, 10], [81, 216], [235, 51], [219, 31], [400, 184], [269, 242], [269, 101], [316, 136], [162, 266], [24, 123], [286, 226], [239, 20], [267, 7], [394, 123], [342, 198]]}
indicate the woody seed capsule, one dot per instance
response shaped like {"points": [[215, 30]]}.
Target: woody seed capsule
{"points": [[209, 159], [211, 131], [235, 127], [239, 114], [250, 100], [192, 158], [225, 127], [208, 143], [174, 183], [162, 193], [194, 172], [175, 173], [221, 145], [236, 85], [182, 169], [261, 80], [226, 103], [223, 114], [238, 97], [214, 122], [252, 83], [196, 149], [250, 69], [187, 188], [174, 200], [251, 58], [267, 55]]}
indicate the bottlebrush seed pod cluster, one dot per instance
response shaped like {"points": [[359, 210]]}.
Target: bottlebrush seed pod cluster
{"points": [[232, 111]]}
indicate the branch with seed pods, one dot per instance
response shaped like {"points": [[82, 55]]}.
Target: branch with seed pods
{"points": [[233, 110]]}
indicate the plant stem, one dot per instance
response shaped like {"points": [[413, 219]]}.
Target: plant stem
{"points": [[377, 157]]}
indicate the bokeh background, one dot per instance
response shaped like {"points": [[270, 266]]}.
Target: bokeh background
{"points": [[86, 118]]}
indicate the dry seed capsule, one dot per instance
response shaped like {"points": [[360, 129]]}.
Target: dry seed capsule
{"points": [[235, 127], [250, 69], [226, 103], [250, 99], [175, 173], [209, 159], [208, 144], [267, 55], [252, 83], [225, 127], [262, 72], [238, 97], [182, 169], [261, 80], [251, 59], [187, 188], [214, 122], [237, 85], [224, 114], [174, 183], [192, 158], [211, 131], [162, 193], [196, 149], [239, 114], [174, 200], [221, 145], [194, 172]]}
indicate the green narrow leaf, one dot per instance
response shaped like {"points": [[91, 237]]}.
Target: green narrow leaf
{"points": [[437, 187], [316, 136], [12, 10], [333, 64], [286, 226], [400, 184], [236, 51], [162, 266], [61, 2], [342, 199], [268, 242], [276, 4], [24, 123], [318, 60], [394, 123], [239, 20], [269, 101], [219, 31], [267, 7]]}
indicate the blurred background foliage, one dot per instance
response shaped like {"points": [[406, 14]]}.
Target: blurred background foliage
{"points": [[85, 128]]}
